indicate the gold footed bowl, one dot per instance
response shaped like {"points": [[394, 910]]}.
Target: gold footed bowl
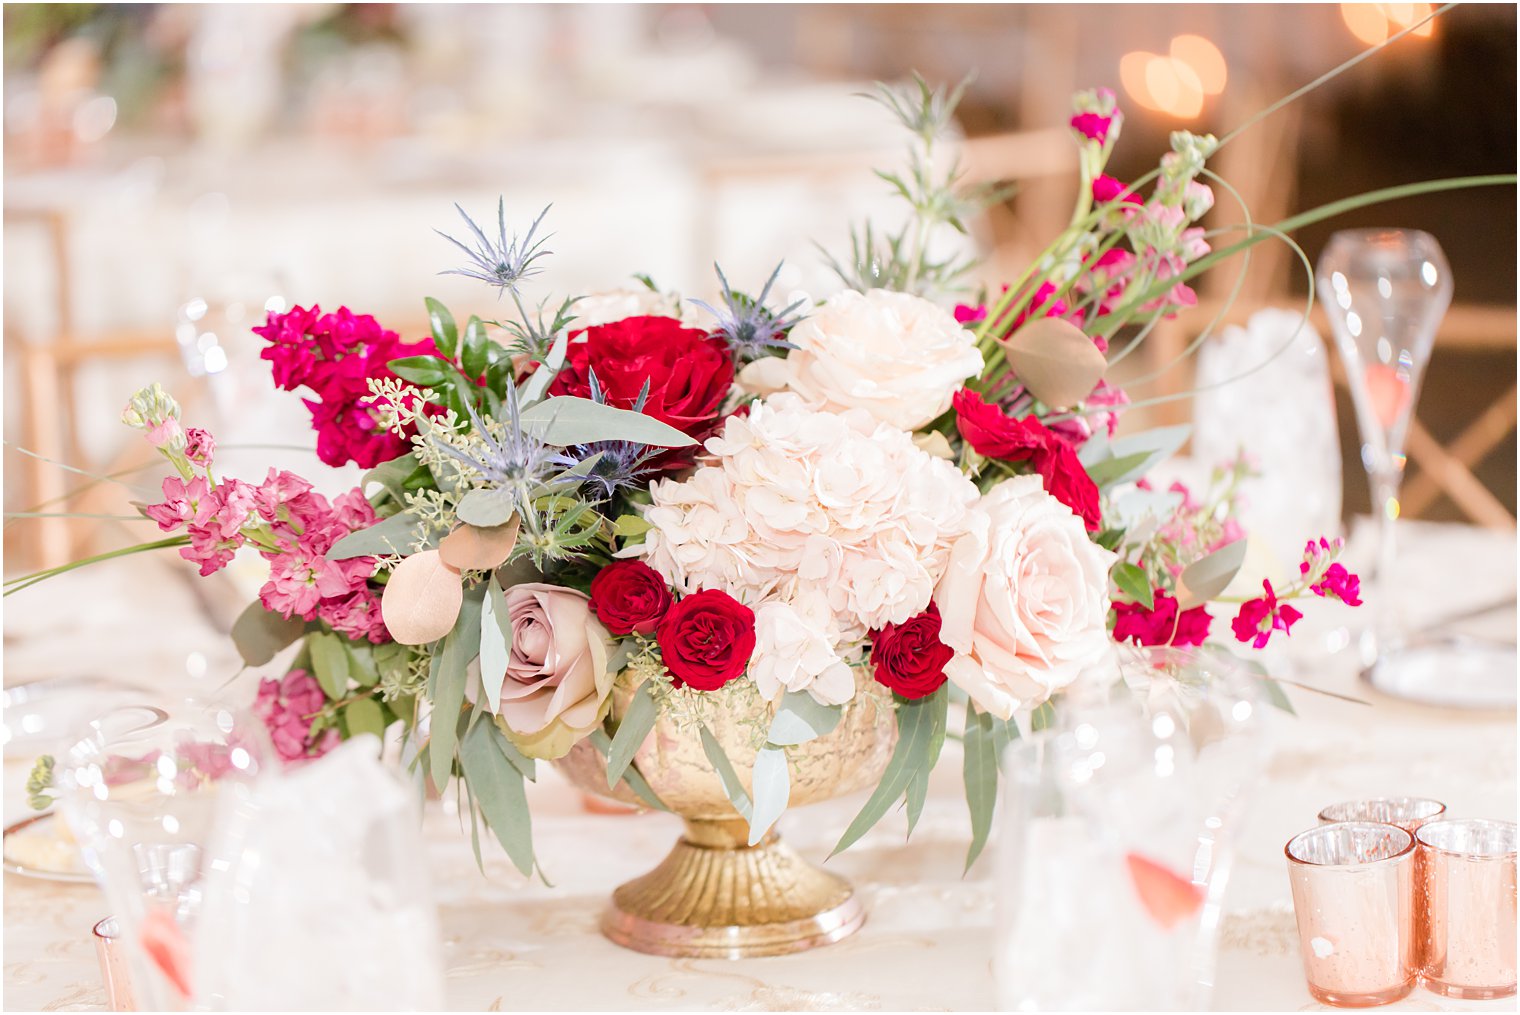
{"points": [[716, 896]]}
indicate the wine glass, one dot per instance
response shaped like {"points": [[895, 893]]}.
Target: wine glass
{"points": [[1117, 836], [142, 791], [1385, 292]]}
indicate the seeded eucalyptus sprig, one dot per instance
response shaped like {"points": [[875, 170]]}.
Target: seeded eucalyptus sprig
{"points": [[39, 785], [901, 260]]}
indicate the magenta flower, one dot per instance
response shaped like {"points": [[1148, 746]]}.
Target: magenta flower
{"points": [[1106, 189], [1258, 618], [1340, 583], [287, 706], [969, 314], [1161, 625], [356, 616], [1092, 126]]}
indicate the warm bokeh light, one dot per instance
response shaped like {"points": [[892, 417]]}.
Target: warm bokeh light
{"points": [[1177, 84], [1205, 60], [1374, 23]]}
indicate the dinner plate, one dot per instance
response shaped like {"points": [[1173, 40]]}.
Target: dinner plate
{"points": [[34, 849]]}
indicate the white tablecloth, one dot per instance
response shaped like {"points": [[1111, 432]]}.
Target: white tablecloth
{"points": [[515, 944]]}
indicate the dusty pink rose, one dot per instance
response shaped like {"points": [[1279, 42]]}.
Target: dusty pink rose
{"points": [[556, 685]]}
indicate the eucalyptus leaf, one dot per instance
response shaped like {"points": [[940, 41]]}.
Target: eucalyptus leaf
{"points": [[495, 642], [498, 788], [259, 635], [1277, 696], [524, 764], [532, 389], [1208, 576], [630, 526], [1055, 360], [800, 718], [363, 667], [986, 736], [445, 332], [487, 508], [632, 731], [565, 419], [392, 476], [364, 715], [1141, 452], [635, 780], [396, 534], [772, 786], [1112, 471], [1132, 581], [1042, 718], [459, 647], [330, 661], [726, 774], [916, 720], [918, 786]]}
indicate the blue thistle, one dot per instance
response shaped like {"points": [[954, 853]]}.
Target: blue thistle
{"points": [[621, 465], [505, 262], [519, 460], [750, 329]]}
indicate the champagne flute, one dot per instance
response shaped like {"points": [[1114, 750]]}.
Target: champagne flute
{"points": [[1385, 292]]}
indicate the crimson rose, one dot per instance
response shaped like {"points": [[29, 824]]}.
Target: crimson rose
{"points": [[994, 434], [629, 596], [909, 657], [706, 639], [688, 371]]}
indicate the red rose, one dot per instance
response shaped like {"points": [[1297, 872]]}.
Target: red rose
{"points": [[909, 657], [688, 371], [994, 434], [706, 639], [629, 596]]}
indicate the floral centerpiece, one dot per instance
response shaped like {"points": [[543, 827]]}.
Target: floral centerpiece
{"points": [[726, 557]]}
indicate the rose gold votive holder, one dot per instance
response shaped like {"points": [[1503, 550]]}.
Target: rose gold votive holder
{"points": [[115, 966], [1469, 874], [1408, 812], [1353, 892]]}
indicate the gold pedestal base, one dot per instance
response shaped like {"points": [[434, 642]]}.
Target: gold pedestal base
{"points": [[715, 897]]}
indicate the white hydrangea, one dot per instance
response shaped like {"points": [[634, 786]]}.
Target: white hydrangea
{"points": [[805, 502]]}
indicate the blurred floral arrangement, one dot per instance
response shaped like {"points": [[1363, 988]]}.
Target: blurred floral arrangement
{"points": [[890, 494]]}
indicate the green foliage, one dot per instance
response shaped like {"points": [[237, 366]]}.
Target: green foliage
{"points": [[39, 784], [458, 648], [986, 737], [920, 722], [1132, 581], [259, 634], [632, 731], [496, 786]]}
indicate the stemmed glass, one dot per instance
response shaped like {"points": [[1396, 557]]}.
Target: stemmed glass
{"points": [[1385, 292], [1117, 836]]}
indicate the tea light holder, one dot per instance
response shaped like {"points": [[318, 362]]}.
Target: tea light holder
{"points": [[1353, 896], [1408, 812], [1468, 869]]}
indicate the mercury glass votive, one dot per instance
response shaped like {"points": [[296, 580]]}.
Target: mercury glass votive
{"points": [[1468, 867], [1353, 895], [1408, 812]]}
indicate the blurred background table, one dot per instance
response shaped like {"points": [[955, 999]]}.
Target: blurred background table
{"points": [[512, 943]]}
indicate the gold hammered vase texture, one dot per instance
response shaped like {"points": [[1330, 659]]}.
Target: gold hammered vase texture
{"points": [[715, 896]]}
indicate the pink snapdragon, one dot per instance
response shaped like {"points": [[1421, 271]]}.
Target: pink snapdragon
{"points": [[288, 707], [200, 446], [1258, 618]]}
